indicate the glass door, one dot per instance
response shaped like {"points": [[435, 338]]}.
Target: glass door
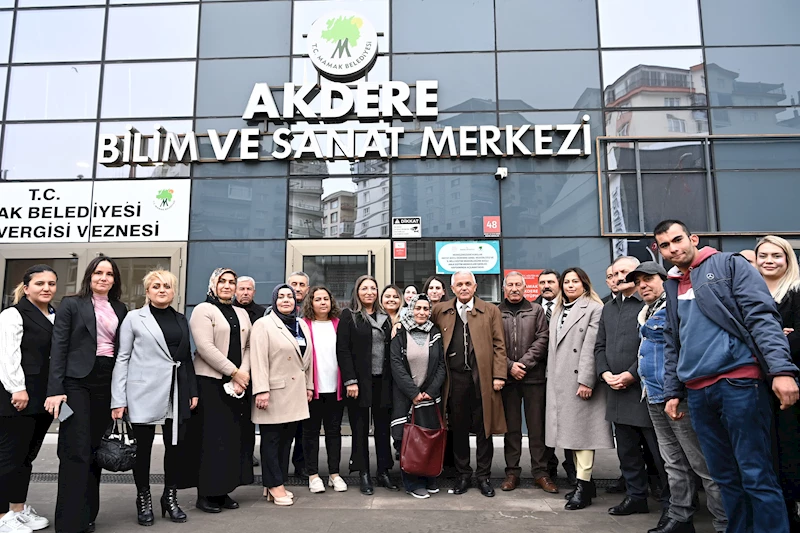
{"points": [[337, 264]]}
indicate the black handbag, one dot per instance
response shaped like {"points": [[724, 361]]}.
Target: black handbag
{"points": [[117, 451]]}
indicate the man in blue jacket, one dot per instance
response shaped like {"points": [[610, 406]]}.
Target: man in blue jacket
{"points": [[723, 342]]}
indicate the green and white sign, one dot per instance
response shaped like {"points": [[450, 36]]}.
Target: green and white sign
{"points": [[342, 45]]}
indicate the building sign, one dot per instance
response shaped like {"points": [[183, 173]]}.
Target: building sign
{"points": [[480, 257], [343, 121], [407, 227], [400, 250], [101, 211], [491, 226], [531, 281], [342, 45]]}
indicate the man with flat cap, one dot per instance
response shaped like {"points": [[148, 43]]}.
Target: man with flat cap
{"points": [[677, 440]]}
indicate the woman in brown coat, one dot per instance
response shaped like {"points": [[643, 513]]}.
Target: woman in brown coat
{"points": [[283, 384], [576, 412]]}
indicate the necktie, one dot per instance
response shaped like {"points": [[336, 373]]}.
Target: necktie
{"points": [[549, 312], [462, 312]]}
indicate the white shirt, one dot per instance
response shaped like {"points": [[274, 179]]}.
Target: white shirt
{"points": [[11, 374], [464, 309], [548, 304], [325, 351]]}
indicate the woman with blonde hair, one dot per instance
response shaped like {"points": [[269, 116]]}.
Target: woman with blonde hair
{"points": [[576, 412], [25, 333], [221, 333], [777, 263], [154, 382]]}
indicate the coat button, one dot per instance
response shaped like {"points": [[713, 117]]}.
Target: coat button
{"points": [[575, 350], [581, 329], [576, 371]]}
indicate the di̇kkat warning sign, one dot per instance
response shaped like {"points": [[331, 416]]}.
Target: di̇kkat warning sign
{"points": [[103, 211]]}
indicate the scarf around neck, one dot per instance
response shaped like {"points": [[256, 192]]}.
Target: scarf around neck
{"points": [[290, 320], [408, 319], [212, 285]]}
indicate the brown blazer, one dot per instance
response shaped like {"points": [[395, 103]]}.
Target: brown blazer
{"points": [[280, 369], [488, 341], [212, 335]]}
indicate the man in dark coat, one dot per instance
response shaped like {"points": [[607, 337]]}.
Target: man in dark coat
{"points": [[616, 355], [245, 292], [526, 333]]}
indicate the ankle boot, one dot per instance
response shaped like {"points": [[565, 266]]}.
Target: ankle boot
{"points": [[144, 508], [169, 504], [582, 497]]}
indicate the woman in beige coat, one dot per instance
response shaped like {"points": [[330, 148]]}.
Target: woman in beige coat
{"points": [[283, 385], [222, 364], [576, 412]]}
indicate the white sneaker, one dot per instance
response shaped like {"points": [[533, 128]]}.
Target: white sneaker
{"points": [[30, 518], [337, 483], [10, 523], [315, 484]]}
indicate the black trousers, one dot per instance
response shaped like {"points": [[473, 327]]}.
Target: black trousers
{"points": [[78, 500], [21, 439], [632, 463], [144, 435], [466, 415], [328, 411], [381, 421], [276, 442], [298, 455]]}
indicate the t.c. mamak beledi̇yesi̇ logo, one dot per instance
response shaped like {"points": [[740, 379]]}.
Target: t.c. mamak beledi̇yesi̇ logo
{"points": [[342, 45], [164, 199]]}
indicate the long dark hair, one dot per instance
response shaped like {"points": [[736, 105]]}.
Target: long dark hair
{"points": [[355, 303], [428, 284], [308, 303], [19, 291], [587, 285], [115, 292]]}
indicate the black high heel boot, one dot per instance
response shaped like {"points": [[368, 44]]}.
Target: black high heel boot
{"points": [[144, 508], [169, 504], [583, 495]]}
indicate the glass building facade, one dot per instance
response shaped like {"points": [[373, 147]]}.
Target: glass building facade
{"points": [[694, 107]]}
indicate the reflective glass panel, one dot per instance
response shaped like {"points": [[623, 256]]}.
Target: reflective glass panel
{"points": [[464, 79], [238, 209], [634, 23], [130, 28], [177, 170], [53, 92], [753, 76], [740, 193], [756, 154], [591, 254], [265, 261], [550, 204], [306, 12], [521, 78], [621, 200], [654, 78], [543, 24], [732, 22], [3, 78], [450, 205], [664, 123], [234, 168], [245, 29], [148, 90], [426, 26], [69, 149], [224, 86], [59, 35], [56, 3], [755, 120], [5, 34]]}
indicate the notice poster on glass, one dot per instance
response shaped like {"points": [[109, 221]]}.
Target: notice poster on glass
{"points": [[479, 257]]}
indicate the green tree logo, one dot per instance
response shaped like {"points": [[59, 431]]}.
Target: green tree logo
{"points": [[165, 195], [345, 32]]}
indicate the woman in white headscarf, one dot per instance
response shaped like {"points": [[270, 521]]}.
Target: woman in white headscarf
{"points": [[221, 333]]}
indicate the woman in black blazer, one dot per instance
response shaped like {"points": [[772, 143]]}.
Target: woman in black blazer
{"points": [[25, 331], [362, 349], [85, 344]]}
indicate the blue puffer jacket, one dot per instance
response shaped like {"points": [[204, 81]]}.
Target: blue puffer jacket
{"points": [[733, 295], [651, 355]]}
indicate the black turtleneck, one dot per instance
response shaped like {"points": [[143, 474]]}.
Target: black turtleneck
{"points": [[168, 323], [514, 307]]}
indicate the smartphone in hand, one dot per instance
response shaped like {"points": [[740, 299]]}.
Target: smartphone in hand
{"points": [[64, 412]]}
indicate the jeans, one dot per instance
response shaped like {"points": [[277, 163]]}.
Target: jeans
{"points": [[683, 457], [732, 420]]}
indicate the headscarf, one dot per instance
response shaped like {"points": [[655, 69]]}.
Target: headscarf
{"points": [[212, 285], [408, 319], [289, 320]]}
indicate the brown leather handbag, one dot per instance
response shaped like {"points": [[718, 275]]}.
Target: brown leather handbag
{"points": [[422, 450]]}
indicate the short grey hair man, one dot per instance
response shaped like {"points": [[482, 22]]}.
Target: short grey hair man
{"points": [[454, 274]]}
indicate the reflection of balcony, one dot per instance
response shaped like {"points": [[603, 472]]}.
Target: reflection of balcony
{"points": [[649, 79], [307, 208], [308, 186]]}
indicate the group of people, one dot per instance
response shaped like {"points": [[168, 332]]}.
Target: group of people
{"points": [[672, 370]]}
